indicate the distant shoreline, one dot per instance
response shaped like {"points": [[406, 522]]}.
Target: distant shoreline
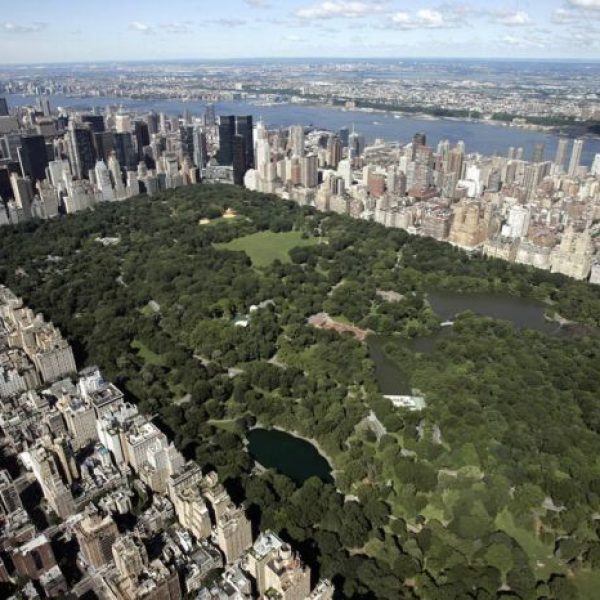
{"points": [[567, 130]]}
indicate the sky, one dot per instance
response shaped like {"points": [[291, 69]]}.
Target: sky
{"points": [[38, 31]]}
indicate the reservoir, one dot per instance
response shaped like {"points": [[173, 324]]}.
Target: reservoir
{"points": [[288, 454], [486, 138]]}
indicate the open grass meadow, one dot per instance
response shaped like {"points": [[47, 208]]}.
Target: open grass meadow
{"points": [[265, 247]]}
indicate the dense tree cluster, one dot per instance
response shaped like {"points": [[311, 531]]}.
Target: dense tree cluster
{"points": [[493, 491]]}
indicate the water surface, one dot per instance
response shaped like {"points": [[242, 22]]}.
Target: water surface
{"points": [[288, 454], [478, 136]]}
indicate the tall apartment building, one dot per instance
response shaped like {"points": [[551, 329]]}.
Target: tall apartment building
{"points": [[574, 256], [10, 501], [96, 535], [234, 533], [46, 469], [80, 419], [41, 341], [184, 488], [130, 556]]}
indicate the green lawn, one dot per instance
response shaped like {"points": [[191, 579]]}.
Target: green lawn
{"points": [[588, 584], [146, 354], [265, 247], [537, 551]]}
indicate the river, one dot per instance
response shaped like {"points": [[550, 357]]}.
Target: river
{"points": [[288, 454], [482, 137]]}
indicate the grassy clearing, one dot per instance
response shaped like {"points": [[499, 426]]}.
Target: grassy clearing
{"points": [[541, 556], [588, 584], [147, 312], [225, 424], [265, 247], [147, 355]]}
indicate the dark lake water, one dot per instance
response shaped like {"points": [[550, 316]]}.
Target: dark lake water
{"points": [[288, 454], [522, 312], [478, 136], [391, 378]]}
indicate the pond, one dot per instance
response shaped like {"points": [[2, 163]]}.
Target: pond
{"points": [[288, 454], [522, 312]]}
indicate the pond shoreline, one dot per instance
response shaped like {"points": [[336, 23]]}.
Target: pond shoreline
{"points": [[297, 435]]}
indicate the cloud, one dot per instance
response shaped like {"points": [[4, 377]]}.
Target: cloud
{"points": [[586, 4], [176, 27], [293, 38], [340, 9], [522, 42], [258, 3], [580, 39], [141, 27], [228, 22], [512, 19], [423, 19], [34, 27], [460, 10], [561, 16]]}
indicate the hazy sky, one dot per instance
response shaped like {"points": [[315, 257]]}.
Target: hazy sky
{"points": [[90, 30]]}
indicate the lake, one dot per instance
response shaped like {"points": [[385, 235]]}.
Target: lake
{"points": [[288, 454], [522, 312], [480, 137], [392, 380]]}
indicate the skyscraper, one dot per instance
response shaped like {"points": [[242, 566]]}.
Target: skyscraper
{"points": [[239, 159], [244, 128], [96, 122], [44, 106], [96, 535], [538, 153], [22, 193], [103, 144], [356, 144], [3, 107], [186, 134], [141, 133], [33, 157], [310, 171], [344, 134], [124, 150], [334, 151], [210, 118], [103, 181], [226, 134], [561, 152], [419, 139], [297, 140], [81, 149], [200, 149], [9, 495], [152, 121], [595, 170], [575, 156]]}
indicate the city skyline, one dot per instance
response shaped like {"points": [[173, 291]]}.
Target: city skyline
{"points": [[39, 33]]}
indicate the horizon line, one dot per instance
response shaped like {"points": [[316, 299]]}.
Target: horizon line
{"points": [[288, 58]]}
